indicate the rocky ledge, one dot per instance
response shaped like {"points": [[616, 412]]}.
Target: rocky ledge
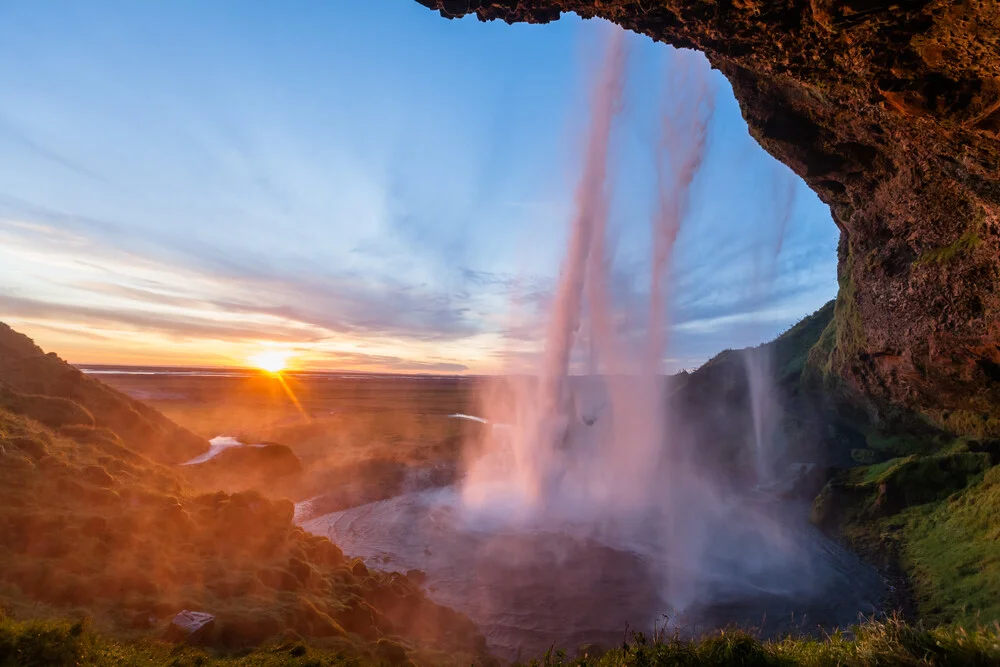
{"points": [[891, 112]]}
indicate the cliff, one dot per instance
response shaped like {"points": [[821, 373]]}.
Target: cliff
{"points": [[891, 113]]}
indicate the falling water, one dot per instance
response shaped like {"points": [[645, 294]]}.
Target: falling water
{"points": [[599, 453], [765, 409], [593, 451], [765, 412], [594, 445], [582, 506]]}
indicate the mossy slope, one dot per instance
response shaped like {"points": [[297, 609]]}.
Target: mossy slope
{"points": [[26, 369], [91, 527]]}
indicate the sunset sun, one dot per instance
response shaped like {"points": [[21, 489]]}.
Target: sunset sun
{"points": [[272, 361]]}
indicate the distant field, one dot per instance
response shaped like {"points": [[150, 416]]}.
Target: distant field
{"points": [[214, 402], [357, 436]]}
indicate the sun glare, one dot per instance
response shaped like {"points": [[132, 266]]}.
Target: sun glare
{"points": [[272, 361]]}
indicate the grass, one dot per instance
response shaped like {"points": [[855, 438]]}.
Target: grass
{"points": [[62, 642], [889, 642], [59, 395], [791, 349], [952, 550], [936, 516], [93, 528]]}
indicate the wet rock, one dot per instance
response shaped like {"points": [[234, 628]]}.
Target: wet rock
{"points": [[194, 627]]}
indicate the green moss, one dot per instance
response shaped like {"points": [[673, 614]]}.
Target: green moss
{"points": [[951, 551], [791, 349], [939, 515], [839, 341], [864, 456], [887, 642], [44, 643], [968, 423], [875, 473], [967, 243], [903, 444], [819, 357], [849, 333]]}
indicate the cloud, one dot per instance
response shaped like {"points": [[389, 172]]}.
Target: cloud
{"points": [[343, 303], [168, 325]]}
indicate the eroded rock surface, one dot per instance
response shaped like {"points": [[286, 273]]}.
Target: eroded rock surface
{"points": [[891, 112]]}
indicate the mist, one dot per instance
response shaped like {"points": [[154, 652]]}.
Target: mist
{"points": [[589, 498]]}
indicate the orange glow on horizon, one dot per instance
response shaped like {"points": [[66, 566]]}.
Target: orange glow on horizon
{"points": [[84, 345], [271, 361]]}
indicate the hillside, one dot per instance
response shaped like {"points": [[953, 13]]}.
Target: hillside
{"points": [[918, 501], [47, 389], [94, 527]]}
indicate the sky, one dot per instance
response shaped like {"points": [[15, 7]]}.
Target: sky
{"points": [[360, 186]]}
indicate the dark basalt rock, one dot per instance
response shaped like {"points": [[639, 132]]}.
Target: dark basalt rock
{"points": [[891, 113]]}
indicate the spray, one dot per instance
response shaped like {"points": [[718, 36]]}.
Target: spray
{"points": [[582, 505]]}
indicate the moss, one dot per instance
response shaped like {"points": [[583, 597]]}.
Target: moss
{"points": [[850, 334], [935, 515], [951, 552], [968, 423], [839, 341], [45, 644], [903, 444], [791, 349], [886, 642], [888, 487], [96, 527], [819, 358], [968, 242], [864, 456], [51, 411]]}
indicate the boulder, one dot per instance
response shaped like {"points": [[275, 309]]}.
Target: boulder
{"points": [[194, 627]]}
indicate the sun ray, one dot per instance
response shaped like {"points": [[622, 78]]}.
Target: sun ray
{"points": [[291, 395]]}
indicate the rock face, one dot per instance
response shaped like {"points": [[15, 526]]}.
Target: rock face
{"points": [[891, 112]]}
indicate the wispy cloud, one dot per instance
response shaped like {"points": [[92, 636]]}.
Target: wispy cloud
{"points": [[408, 212]]}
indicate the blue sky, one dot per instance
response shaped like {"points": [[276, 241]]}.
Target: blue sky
{"points": [[361, 185]]}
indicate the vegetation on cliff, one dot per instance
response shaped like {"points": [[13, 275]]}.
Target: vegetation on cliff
{"points": [[915, 498], [923, 500]]}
